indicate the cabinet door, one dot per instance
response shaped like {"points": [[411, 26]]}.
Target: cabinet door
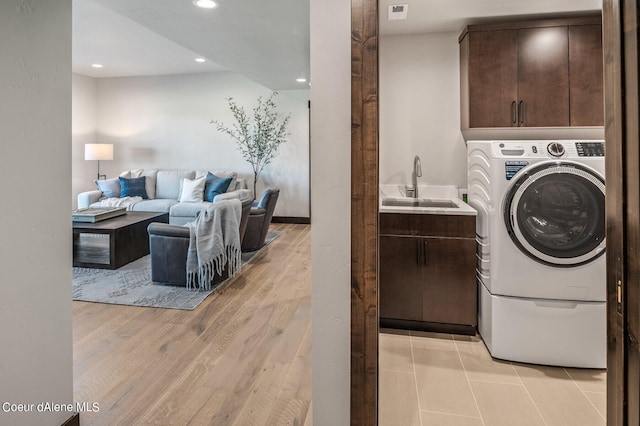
{"points": [[543, 76], [400, 278], [492, 78], [450, 292], [586, 75]]}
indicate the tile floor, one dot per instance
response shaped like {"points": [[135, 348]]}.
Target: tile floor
{"points": [[450, 380]]}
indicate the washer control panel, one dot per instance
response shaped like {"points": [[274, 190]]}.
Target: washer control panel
{"points": [[551, 149], [555, 149], [519, 154], [590, 149]]}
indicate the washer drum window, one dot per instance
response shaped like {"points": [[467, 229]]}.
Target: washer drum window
{"points": [[555, 213]]}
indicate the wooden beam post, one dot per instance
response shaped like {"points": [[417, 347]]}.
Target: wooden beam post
{"points": [[364, 212]]}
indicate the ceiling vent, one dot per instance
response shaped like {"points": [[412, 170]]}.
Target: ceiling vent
{"points": [[398, 11]]}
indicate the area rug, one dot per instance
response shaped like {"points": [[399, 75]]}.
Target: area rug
{"points": [[132, 285]]}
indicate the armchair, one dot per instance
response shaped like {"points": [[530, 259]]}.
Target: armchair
{"points": [[169, 244], [259, 220]]}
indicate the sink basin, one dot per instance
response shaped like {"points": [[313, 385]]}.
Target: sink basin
{"points": [[418, 202]]}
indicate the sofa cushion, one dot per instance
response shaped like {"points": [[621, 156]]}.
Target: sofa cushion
{"points": [[168, 183], [150, 184], [109, 187], [128, 174], [192, 190], [240, 184], [215, 186], [188, 209], [134, 187], [157, 205]]}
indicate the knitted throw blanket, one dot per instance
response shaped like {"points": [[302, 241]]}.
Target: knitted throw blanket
{"points": [[214, 242], [127, 202]]}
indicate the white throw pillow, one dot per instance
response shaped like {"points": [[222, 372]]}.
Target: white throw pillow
{"points": [[192, 190]]}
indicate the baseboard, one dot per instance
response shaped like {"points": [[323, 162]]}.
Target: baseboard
{"points": [[291, 219], [428, 326], [73, 420]]}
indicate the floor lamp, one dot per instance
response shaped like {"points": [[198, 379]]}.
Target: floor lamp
{"points": [[98, 151]]}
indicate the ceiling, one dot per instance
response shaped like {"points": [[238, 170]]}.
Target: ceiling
{"points": [[266, 41]]}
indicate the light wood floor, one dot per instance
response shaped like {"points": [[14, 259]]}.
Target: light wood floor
{"points": [[243, 357]]}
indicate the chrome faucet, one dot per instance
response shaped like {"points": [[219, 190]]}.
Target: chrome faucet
{"points": [[417, 172]]}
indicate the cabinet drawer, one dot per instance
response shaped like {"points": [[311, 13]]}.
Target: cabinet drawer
{"points": [[428, 225]]}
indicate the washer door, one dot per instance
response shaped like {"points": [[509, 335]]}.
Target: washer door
{"points": [[555, 213]]}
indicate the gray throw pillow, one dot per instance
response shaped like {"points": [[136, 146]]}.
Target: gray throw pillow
{"points": [[110, 187]]}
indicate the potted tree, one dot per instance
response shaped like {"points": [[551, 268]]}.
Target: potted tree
{"points": [[258, 137]]}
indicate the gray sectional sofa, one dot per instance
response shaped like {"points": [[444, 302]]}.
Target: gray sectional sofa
{"points": [[163, 189]]}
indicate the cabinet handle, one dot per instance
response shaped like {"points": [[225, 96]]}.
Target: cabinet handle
{"points": [[418, 251], [521, 112], [426, 251], [514, 113]]}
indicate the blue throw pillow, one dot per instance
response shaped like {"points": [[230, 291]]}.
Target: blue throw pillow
{"points": [[110, 188], [134, 187], [215, 185]]}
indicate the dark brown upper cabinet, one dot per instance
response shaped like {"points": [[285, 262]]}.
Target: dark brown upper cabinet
{"points": [[543, 77], [545, 73], [585, 88], [493, 84]]}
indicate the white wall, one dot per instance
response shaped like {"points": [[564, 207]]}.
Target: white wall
{"points": [[83, 130], [331, 193], [35, 244], [162, 122], [420, 109]]}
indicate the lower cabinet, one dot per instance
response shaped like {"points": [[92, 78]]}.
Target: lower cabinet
{"points": [[427, 282], [401, 280]]}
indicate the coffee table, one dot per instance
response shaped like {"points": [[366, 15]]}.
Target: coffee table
{"points": [[112, 243]]}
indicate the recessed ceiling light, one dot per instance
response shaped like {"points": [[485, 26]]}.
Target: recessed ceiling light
{"points": [[201, 60], [206, 4], [301, 80], [96, 65]]}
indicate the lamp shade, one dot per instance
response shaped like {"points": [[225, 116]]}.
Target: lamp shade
{"points": [[98, 151]]}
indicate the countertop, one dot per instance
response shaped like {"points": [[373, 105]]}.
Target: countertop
{"points": [[431, 192]]}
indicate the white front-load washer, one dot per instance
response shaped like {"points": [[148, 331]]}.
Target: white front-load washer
{"points": [[541, 243]]}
